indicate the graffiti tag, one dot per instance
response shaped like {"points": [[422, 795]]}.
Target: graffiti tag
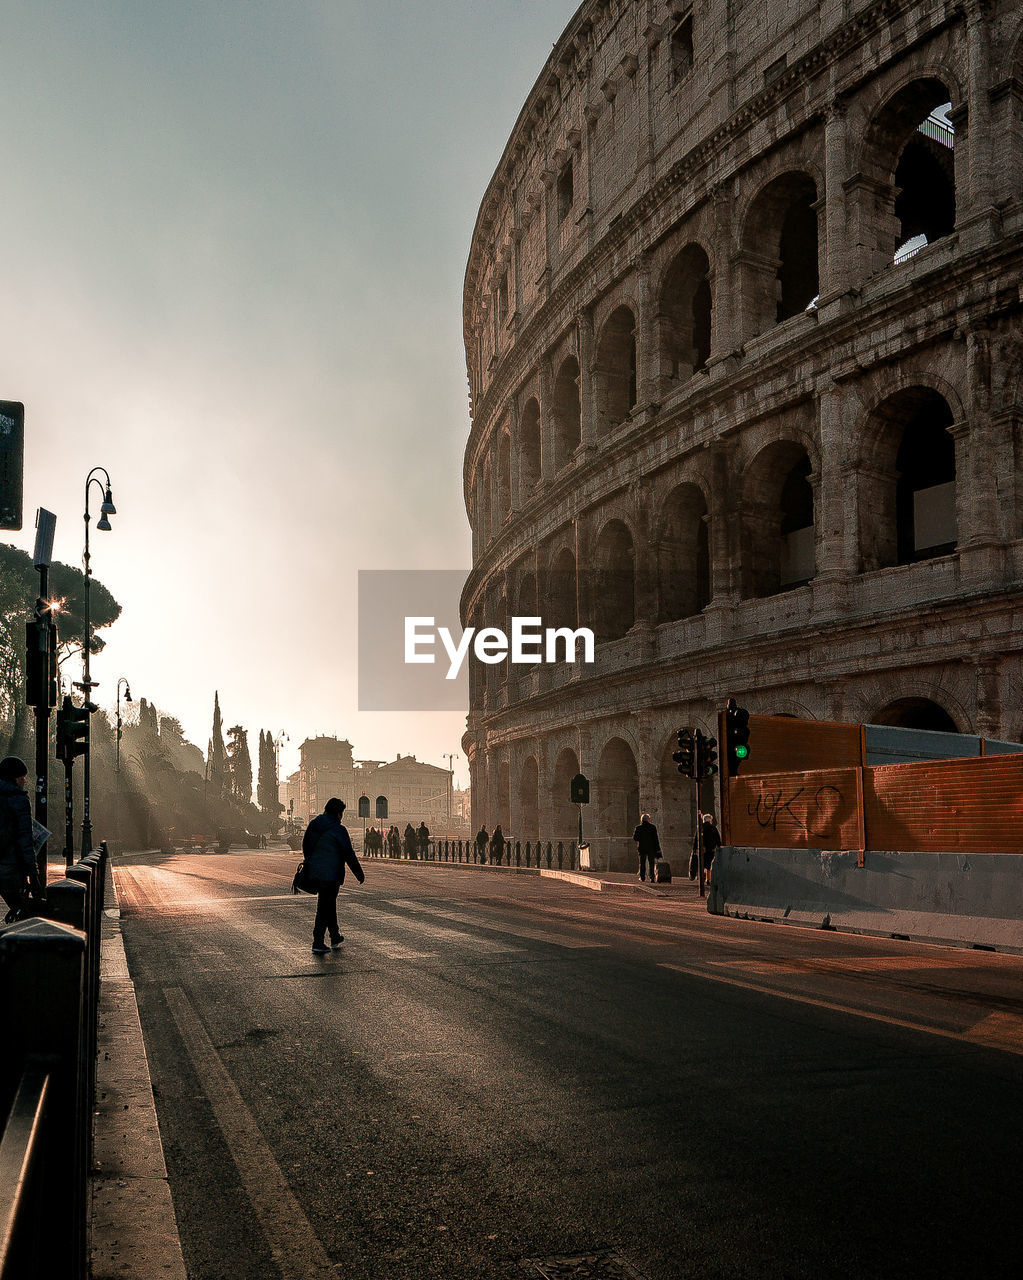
{"points": [[772, 805]]}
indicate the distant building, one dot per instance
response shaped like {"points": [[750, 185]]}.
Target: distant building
{"points": [[415, 791]]}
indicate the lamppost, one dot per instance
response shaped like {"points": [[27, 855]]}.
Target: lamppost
{"points": [[87, 686], [117, 755], [450, 757], [279, 741]]}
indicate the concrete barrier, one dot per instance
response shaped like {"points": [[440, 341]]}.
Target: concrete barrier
{"points": [[959, 899]]}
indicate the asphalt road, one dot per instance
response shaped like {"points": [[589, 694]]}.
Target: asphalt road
{"points": [[501, 1075]]}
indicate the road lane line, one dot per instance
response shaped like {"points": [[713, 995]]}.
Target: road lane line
{"points": [[1007, 1044], [293, 1242], [477, 922]]}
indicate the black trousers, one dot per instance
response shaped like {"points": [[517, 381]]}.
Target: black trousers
{"points": [[326, 911], [643, 856]]}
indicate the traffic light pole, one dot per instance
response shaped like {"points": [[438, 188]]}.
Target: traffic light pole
{"points": [[42, 710], [69, 816]]}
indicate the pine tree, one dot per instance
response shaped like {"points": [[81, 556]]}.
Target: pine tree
{"points": [[240, 764], [219, 781], [267, 791]]}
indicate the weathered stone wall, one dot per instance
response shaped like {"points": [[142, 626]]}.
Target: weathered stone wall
{"points": [[789, 460]]}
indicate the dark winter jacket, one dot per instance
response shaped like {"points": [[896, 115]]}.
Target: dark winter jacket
{"points": [[327, 849], [645, 837], [16, 852]]}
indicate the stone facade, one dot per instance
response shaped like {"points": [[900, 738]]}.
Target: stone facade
{"points": [[743, 332]]}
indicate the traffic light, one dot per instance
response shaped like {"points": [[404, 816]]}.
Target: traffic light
{"points": [[41, 658], [72, 729], [579, 789], [684, 756], [706, 756], [737, 729]]}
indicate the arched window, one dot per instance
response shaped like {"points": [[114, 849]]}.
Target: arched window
{"points": [[564, 814], [683, 564], [529, 801], [529, 446], [503, 478], [780, 269], [907, 495], [907, 196], [617, 790], [778, 521], [561, 606], [615, 370], [615, 596], [684, 321], [566, 413]]}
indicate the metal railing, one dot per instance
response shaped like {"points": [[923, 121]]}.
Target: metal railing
{"points": [[49, 1002], [553, 855]]}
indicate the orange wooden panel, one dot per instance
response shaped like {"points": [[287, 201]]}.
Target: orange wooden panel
{"points": [[973, 805], [816, 809], [782, 744]]}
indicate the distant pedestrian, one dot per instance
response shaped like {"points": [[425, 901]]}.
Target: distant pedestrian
{"points": [[497, 845], [711, 841], [647, 844], [327, 850], [19, 876], [394, 841], [423, 836], [410, 840], [482, 841]]}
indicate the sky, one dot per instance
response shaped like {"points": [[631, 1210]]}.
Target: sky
{"points": [[234, 235]]}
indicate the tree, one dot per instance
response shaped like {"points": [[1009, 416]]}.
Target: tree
{"points": [[19, 588], [268, 792], [240, 764], [217, 759]]}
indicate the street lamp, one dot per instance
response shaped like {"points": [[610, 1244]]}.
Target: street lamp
{"points": [[450, 757], [87, 686], [117, 766], [279, 741]]}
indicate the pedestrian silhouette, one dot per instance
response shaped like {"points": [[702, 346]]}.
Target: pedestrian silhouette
{"points": [[327, 850]]}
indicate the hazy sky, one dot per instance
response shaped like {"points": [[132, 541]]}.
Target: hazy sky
{"points": [[234, 234]]}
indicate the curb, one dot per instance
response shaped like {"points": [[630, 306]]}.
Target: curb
{"points": [[134, 1232]]}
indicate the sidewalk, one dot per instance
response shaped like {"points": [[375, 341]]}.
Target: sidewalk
{"points": [[134, 1232]]}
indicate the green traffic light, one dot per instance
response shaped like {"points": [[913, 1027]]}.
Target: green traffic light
{"points": [[741, 753]]}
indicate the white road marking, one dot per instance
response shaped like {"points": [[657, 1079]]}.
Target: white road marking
{"points": [[293, 1242], [997, 1039]]}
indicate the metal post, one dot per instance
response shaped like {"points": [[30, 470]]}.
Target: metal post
{"points": [[69, 816], [42, 710], [87, 692]]}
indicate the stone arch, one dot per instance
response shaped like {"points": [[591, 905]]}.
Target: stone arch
{"points": [[617, 789], [907, 499], [780, 257], [503, 477], [564, 814], [614, 370], [683, 554], [778, 520], [566, 419], [615, 585], [907, 164], [684, 318], [503, 818], [562, 597], [530, 468], [916, 713], [529, 800]]}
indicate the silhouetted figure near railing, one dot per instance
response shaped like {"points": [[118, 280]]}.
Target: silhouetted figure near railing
{"points": [[410, 840], [497, 845], [648, 845], [482, 841], [423, 836], [19, 876]]}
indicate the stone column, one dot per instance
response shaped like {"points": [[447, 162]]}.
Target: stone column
{"points": [[834, 558], [835, 280], [979, 135], [647, 338], [547, 425], [516, 456]]}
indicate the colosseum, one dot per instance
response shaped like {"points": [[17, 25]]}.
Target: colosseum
{"points": [[742, 324]]}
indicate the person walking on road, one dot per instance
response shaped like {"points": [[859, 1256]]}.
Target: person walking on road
{"points": [[327, 850], [18, 870], [711, 841], [648, 845]]}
